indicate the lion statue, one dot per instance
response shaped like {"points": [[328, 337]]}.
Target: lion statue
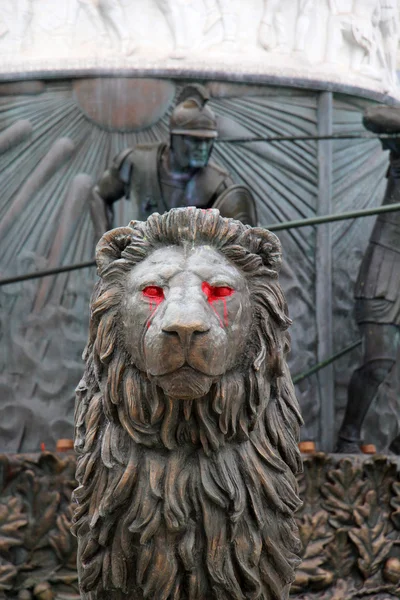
{"points": [[186, 418]]}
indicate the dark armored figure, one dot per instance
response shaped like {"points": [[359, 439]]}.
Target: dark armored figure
{"points": [[157, 177], [377, 293]]}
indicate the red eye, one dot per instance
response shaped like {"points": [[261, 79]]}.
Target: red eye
{"points": [[216, 292], [154, 292], [221, 291]]}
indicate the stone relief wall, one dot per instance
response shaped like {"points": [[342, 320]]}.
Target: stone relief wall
{"points": [[348, 42], [57, 138], [44, 322]]}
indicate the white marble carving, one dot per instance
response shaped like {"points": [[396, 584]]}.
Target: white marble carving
{"points": [[109, 20], [272, 33], [368, 28], [176, 16], [344, 42], [225, 13], [303, 21]]}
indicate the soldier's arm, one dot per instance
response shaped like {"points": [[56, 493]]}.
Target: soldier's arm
{"points": [[114, 184]]}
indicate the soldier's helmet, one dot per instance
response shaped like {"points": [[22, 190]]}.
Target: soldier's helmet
{"points": [[191, 116]]}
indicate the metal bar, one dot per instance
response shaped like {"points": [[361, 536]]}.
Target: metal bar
{"points": [[277, 227], [47, 272], [323, 272], [356, 214], [325, 363], [303, 138]]}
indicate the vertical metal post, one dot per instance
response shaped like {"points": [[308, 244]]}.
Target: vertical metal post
{"points": [[323, 265]]}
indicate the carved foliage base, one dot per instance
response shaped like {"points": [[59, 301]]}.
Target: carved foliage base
{"points": [[37, 550], [349, 526]]}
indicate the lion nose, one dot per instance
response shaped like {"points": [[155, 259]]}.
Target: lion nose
{"points": [[186, 327]]}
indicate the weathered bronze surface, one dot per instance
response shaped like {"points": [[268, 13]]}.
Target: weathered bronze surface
{"points": [[377, 293], [157, 177], [349, 528], [121, 103], [37, 550], [186, 419]]}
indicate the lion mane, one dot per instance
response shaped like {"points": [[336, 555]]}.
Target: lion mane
{"points": [[194, 499]]}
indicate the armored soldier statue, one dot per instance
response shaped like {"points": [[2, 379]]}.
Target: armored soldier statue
{"points": [[157, 177], [377, 293]]}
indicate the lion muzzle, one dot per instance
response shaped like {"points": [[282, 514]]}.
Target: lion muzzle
{"points": [[183, 336]]}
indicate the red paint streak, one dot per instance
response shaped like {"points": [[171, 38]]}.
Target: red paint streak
{"points": [[225, 313], [155, 294], [42, 446], [217, 292]]}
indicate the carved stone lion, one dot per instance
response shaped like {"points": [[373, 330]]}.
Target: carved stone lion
{"points": [[186, 418]]}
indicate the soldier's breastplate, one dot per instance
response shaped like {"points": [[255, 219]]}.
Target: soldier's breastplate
{"points": [[198, 191], [202, 187], [173, 195]]}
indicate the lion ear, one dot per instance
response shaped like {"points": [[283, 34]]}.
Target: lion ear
{"points": [[111, 246], [265, 244]]}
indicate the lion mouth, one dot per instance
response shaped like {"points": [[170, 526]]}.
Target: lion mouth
{"points": [[185, 383], [185, 369]]}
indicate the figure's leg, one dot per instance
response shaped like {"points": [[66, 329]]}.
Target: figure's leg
{"points": [[303, 24], [114, 16], [281, 34], [213, 14], [175, 16], [73, 10], [3, 27], [229, 21], [380, 344], [334, 39], [96, 18], [390, 31], [266, 34], [23, 21]]}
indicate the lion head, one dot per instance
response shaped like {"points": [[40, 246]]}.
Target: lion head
{"points": [[185, 318], [186, 418]]}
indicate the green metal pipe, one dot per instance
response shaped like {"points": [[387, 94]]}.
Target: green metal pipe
{"points": [[47, 272], [306, 138], [277, 227], [326, 362], [355, 214]]}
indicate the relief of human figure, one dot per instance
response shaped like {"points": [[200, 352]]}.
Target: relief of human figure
{"points": [[3, 27], [305, 10], [224, 11], [272, 33], [21, 25], [175, 15], [359, 27], [377, 293], [389, 28], [109, 19]]}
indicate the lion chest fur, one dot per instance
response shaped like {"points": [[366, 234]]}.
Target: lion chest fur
{"points": [[186, 419]]}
